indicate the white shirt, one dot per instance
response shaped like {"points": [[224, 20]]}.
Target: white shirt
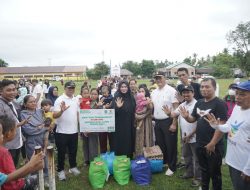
{"points": [[187, 127], [238, 143], [38, 90], [68, 122], [45, 88], [161, 97]]}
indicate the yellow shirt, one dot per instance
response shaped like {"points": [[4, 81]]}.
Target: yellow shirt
{"points": [[49, 115]]}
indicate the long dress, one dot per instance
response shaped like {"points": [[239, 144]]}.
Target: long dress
{"points": [[124, 136], [144, 131]]}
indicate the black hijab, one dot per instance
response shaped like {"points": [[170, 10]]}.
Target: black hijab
{"points": [[128, 99]]}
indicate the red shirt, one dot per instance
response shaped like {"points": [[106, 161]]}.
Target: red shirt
{"points": [[7, 166], [85, 103]]}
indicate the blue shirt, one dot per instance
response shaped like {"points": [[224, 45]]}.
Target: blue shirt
{"points": [[3, 178]]}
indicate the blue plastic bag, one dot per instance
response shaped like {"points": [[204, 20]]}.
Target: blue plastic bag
{"points": [[140, 170], [109, 159], [156, 166]]}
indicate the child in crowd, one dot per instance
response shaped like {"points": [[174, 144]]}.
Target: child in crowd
{"points": [[7, 133], [49, 122], [188, 131], [90, 140], [141, 104], [106, 99], [85, 100]]}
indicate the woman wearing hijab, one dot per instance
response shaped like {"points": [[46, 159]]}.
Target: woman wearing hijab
{"points": [[124, 135], [53, 94]]}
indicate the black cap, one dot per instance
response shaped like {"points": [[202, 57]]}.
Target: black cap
{"points": [[70, 84], [187, 88], [159, 74]]}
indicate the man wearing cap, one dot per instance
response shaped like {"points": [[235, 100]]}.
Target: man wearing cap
{"points": [[188, 136], [238, 142], [66, 111], [209, 148], [165, 127]]}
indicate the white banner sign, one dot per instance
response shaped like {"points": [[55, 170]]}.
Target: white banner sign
{"points": [[97, 120]]}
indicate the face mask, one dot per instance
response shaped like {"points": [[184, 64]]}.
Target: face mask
{"points": [[231, 92]]}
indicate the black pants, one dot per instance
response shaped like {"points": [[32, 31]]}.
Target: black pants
{"points": [[15, 153], [167, 141], [237, 180], [66, 142], [210, 166], [104, 138]]}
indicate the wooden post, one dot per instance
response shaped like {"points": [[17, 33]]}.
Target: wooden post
{"points": [[51, 165], [38, 149]]}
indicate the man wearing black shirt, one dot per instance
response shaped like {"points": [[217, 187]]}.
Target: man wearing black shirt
{"points": [[209, 143], [183, 77]]}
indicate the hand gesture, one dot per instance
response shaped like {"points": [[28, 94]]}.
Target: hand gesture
{"points": [[210, 148], [36, 162], [100, 103], [167, 110], [63, 106], [119, 102], [184, 113], [211, 119]]}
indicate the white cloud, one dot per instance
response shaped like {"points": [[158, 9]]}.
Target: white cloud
{"points": [[76, 32]]}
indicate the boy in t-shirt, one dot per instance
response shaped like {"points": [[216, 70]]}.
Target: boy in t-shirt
{"points": [[188, 131], [7, 133], [49, 122]]}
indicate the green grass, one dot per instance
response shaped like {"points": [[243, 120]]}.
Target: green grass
{"points": [[159, 181]]}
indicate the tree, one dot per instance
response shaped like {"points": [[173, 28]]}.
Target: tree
{"points": [[3, 63], [99, 70], [133, 67], [147, 68], [240, 39]]}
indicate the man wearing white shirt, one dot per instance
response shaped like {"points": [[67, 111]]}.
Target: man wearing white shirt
{"points": [[37, 92], [66, 111], [238, 143], [165, 127]]}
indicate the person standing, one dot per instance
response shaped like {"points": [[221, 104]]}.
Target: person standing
{"points": [[9, 107], [66, 111], [165, 127], [183, 75], [209, 141], [238, 129], [123, 139], [37, 92]]}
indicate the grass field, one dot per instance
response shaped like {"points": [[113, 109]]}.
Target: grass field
{"points": [[159, 181]]}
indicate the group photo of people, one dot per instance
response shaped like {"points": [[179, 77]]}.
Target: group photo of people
{"points": [[196, 130]]}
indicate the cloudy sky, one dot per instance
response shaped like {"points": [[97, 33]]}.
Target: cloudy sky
{"points": [[85, 32]]}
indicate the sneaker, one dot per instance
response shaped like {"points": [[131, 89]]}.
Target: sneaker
{"points": [[169, 172], [74, 170], [195, 183], [61, 176]]}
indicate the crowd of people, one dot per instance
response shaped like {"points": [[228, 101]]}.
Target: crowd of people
{"points": [[34, 114]]}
